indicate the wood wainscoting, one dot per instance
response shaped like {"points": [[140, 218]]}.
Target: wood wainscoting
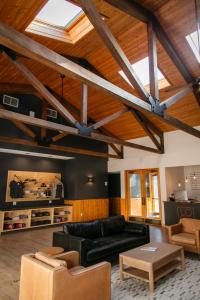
{"points": [[117, 206], [89, 209]]}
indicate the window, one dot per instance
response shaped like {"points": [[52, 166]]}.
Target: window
{"points": [[59, 13], [192, 40], [141, 68], [61, 20]]}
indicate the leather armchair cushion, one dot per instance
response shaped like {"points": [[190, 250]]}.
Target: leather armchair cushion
{"points": [[88, 230], [112, 245], [185, 238], [113, 225], [50, 261]]}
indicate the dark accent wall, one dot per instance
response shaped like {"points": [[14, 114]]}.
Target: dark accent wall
{"points": [[114, 185], [74, 172]]}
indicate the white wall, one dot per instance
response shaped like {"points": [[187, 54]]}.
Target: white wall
{"points": [[181, 149]]}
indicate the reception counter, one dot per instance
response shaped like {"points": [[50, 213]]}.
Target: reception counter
{"points": [[176, 210]]}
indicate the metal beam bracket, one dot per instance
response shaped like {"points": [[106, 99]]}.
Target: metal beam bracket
{"points": [[157, 108], [83, 130]]}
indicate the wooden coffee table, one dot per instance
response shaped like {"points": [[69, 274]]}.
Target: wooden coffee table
{"points": [[151, 266]]}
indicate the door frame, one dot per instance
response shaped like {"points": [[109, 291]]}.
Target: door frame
{"points": [[127, 189]]}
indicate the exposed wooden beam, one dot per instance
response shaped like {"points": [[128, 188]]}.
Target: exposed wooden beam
{"points": [[32, 49], [178, 96], [84, 104], [15, 141], [183, 126], [24, 128], [110, 118], [58, 127], [144, 125], [41, 89], [113, 46], [13, 88], [153, 65], [59, 136], [138, 11]]}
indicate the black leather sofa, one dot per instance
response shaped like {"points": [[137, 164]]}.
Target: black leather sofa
{"points": [[101, 239]]}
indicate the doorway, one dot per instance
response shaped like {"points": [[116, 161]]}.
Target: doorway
{"points": [[143, 195]]}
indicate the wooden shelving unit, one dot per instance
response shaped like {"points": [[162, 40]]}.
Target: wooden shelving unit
{"points": [[34, 217]]}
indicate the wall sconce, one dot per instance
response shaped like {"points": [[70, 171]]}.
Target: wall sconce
{"points": [[186, 179], [179, 184], [194, 176], [90, 179]]}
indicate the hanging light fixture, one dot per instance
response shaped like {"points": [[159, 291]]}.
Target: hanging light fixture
{"points": [[194, 176], [186, 179], [62, 76]]}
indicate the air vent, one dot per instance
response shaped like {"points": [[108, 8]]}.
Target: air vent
{"points": [[11, 101], [51, 113]]}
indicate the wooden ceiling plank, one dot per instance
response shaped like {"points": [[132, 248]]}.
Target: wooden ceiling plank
{"points": [[84, 104], [59, 127], [22, 44], [110, 118], [138, 11], [41, 89], [13, 88], [113, 46], [178, 96], [153, 64], [5, 139], [32, 49]]}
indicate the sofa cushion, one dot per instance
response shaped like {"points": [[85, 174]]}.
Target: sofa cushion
{"points": [[185, 238], [112, 245], [112, 225], [88, 230]]}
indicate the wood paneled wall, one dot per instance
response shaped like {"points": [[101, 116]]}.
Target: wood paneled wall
{"points": [[117, 206], [89, 209]]}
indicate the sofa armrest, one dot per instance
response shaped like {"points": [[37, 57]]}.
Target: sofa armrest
{"points": [[60, 239], [139, 229], [174, 229]]}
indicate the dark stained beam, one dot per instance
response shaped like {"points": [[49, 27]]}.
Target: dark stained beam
{"points": [[178, 96], [16, 141], [109, 118], [144, 125], [153, 65], [113, 46], [9, 115], [41, 89], [84, 104], [143, 14], [24, 45]]}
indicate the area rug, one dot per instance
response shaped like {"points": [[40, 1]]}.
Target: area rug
{"points": [[178, 285]]}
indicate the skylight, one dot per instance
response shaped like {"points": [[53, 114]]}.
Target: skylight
{"points": [[59, 13], [192, 40], [141, 68]]}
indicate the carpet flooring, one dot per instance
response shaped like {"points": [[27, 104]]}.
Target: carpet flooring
{"points": [[178, 285]]}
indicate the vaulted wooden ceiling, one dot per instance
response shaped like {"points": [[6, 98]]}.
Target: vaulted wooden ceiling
{"points": [[178, 19]]}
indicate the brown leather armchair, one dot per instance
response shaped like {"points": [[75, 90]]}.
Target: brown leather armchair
{"points": [[61, 278], [186, 233]]}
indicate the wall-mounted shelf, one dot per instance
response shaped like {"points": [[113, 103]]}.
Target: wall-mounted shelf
{"points": [[34, 217]]}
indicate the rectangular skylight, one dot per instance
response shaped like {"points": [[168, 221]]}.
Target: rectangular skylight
{"points": [[141, 68], [192, 40], [59, 13]]}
